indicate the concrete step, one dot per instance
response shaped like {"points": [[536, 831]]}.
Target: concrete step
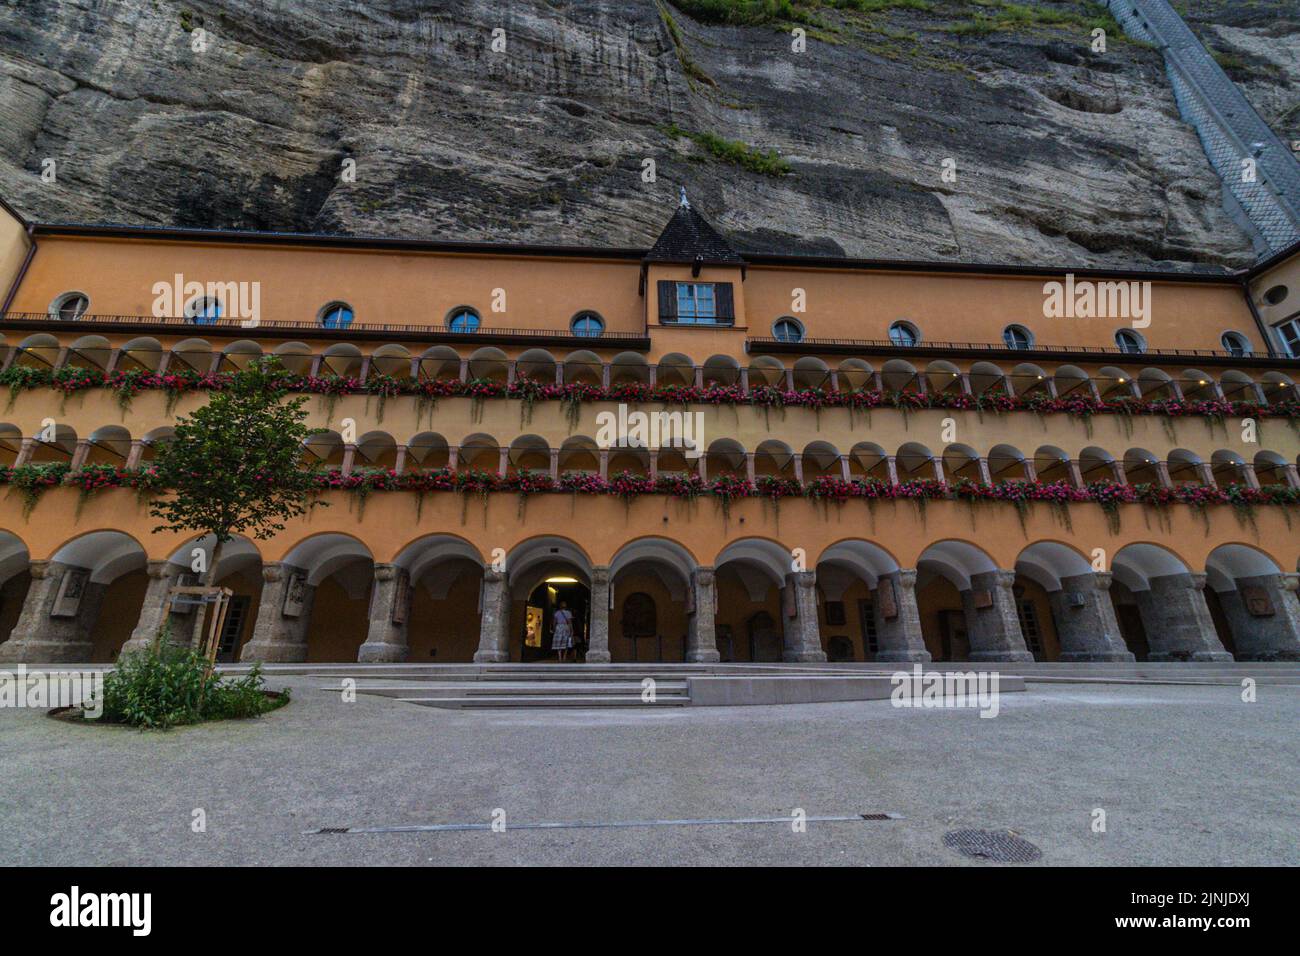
{"points": [[404, 689], [543, 700]]}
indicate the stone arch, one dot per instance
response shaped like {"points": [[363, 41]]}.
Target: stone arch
{"points": [[967, 605], [315, 602], [82, 604], [435, 612], [873, 599], [15, 580], [663, 572], [1064, 606], [543, 560], [239, 568], [754, 617], [1161, 607], [1253, 604]]}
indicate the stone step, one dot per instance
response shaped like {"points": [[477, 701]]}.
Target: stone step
{"points": [[523, 688], [540, 700]]}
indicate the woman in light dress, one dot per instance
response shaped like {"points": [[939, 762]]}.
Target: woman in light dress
{"points": [[562, 636]]}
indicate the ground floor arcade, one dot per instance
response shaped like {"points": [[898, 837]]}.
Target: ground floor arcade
{"points": [[444, 599]]}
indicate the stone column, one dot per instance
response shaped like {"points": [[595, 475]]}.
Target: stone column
{"points": [[899, 637], [701, 638], [162, 578], [803, 640], [994, 630], [598, 636], [276, 638], [493, 646], [38, 638], [1264, 614], [1088, 631], [1177, 620], [386, 639]]}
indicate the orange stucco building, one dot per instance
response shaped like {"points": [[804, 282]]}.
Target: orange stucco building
{"points": [[864, 431]]}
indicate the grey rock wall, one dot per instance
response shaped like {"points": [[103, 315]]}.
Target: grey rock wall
{"points": [[1062, 154]]}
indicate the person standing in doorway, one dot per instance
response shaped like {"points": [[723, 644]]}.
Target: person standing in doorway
{"points": [[562, 636]]}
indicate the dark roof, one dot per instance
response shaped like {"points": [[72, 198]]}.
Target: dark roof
{"points": [[1268, 262], [688, 238]]}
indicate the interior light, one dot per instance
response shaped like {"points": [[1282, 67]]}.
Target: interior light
{"points": [[561, 580]]}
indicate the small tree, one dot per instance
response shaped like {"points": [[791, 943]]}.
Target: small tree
{"points": [[234, 466]]}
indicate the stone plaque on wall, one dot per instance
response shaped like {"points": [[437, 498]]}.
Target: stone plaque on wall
{"points": [[888, 599], [71, 589], [789, 608], [1257, 601], [402, 599], [295, 594], [982, 598]]}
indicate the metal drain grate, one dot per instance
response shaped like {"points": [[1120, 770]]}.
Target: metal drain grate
{"points": [[1000, 846]]}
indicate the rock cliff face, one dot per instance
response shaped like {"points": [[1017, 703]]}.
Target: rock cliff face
{"points": [[245, 113]]}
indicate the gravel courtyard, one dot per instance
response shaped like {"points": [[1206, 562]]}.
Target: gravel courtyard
{"points": [[1186, 775]]}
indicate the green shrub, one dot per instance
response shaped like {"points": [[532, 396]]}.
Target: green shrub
{"points": [[166, 685]]}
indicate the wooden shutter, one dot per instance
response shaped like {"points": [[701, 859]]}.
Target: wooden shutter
{"points": [[726, 305], [667, 300]]}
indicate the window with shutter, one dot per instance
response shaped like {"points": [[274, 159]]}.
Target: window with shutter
{"points": [[696, 303]]}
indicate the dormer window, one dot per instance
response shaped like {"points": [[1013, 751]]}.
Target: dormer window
{"points": [[696, 303]]}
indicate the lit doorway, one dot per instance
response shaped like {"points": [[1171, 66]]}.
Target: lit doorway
{"points": [[539, 617]]}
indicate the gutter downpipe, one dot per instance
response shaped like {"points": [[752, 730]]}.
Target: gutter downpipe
{"points": [[22, 272], [1259, 320]]}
